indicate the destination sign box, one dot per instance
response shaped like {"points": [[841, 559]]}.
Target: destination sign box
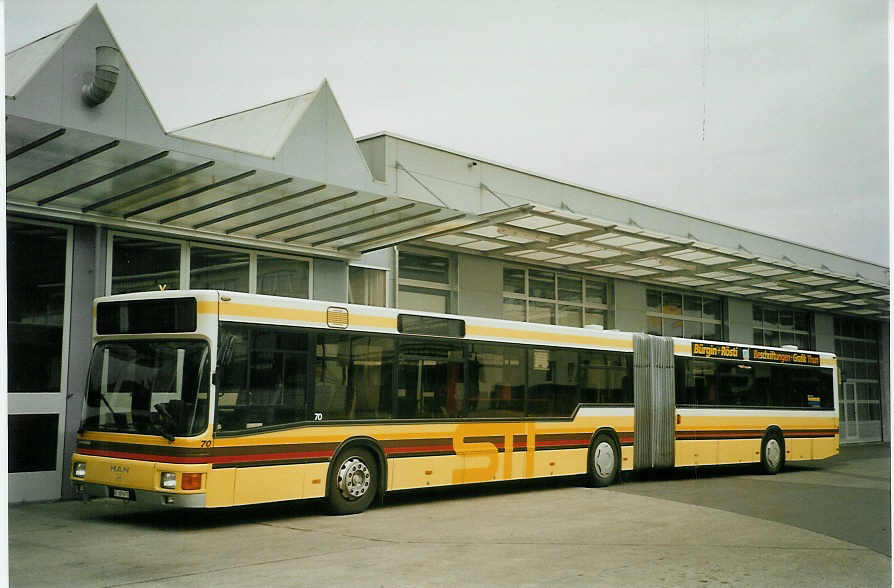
{"points": [[724, 351]]}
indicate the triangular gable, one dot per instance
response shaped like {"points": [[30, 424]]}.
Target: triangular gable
{"points": [[304, 136], [51, 92], [259, 131], [322, 141]]}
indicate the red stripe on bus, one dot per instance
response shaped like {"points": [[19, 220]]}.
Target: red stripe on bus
{"points": [[418, 449], [270, 456], [563, 442]]}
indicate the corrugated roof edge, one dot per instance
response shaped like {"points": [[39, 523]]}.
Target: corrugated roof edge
{"points": [[610, 195]]}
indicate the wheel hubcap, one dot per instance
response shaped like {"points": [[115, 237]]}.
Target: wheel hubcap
{"points": [[773, 453], [604, 460], [353, 478]]}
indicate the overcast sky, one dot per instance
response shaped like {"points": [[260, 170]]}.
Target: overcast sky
{"points": [[767, 115]]}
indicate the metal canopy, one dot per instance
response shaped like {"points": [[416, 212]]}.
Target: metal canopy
{"points": [[78, 175], [565, 240], [83, 176]]}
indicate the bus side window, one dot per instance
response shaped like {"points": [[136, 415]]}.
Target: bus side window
{"points": [[264, 382], [606, 377]]}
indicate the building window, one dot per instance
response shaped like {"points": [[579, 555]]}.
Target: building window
{"points": [[140, 265], [542, 296], [677, 314], [366, 286], [36, 273], [856, 344], [218, 269], [283, 276], [144, 265], [775, 327], [425, 282]]}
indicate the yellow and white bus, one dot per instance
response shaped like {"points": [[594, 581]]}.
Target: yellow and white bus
{"points": [[213, 399]]}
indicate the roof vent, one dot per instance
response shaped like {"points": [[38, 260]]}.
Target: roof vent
{"points": [[108, 63], [595, 327], [337, 317], [790, 347]]}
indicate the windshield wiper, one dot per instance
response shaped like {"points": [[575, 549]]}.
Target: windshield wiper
{"points": [[166, 417]]}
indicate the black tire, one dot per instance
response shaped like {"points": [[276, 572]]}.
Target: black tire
{"points": [[353, 482], [772, 453], [603, 461]]}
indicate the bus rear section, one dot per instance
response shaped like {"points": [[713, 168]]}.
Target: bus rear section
{"points": [[712, 403]]}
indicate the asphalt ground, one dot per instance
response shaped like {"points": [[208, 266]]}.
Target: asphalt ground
{"points": [[824, 523]]}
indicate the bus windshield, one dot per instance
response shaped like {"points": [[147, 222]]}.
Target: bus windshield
{"points": [[152, 387]]}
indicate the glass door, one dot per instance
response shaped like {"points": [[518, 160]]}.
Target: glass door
{"points": [[38, 288]]}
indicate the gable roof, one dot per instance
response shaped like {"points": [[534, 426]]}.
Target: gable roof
{"points": [[258, 131]]}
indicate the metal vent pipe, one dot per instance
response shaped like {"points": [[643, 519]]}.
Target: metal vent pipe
{"points": [[107, 66]]}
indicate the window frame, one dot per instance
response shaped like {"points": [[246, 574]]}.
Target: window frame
{"points": [[388, 291], [185, 255], [448, 290], [556, 302], [663, 316], [779, 330]]}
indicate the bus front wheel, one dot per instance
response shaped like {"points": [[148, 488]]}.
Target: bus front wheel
{"points": [[605, 461], [353, 482], [772, 453]]}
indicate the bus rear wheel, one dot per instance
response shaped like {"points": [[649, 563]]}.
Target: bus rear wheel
{"points": [[353, 482], [772, 453], [604, 463]]}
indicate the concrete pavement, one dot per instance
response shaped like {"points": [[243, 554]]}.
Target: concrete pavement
{"points": [[819, 524]]}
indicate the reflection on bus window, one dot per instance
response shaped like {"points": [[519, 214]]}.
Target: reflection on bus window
{"points": [[263, 380], [702, 382]]}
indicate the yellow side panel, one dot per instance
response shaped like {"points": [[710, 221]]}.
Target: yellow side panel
{"points": [[314, 479], [265, 484], [796, 449], [627, 457], [520, 467], [825, 447], [738, 450], [221, 484], [691, 452], [560, 462], [419, 472]]}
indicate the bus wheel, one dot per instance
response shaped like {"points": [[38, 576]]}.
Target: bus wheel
{"points": [[354, 481], [605, 461], [772, 453]]}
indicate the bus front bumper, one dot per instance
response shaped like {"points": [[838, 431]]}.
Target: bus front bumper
{"points": [[86, 490]]}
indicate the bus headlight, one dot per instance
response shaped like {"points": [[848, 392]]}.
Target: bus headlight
{"points": [[169, 480], [79, 469]]}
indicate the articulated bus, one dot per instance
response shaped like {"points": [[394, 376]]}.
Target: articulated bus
{"points": [[215, 399]]}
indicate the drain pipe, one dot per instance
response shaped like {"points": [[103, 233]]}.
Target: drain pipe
{"points": [[107, 66]]}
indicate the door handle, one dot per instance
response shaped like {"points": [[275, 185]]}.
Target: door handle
{"points": [[679, 419]]}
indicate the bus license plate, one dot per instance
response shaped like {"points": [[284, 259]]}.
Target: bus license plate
{"points": [[123, 493]]}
